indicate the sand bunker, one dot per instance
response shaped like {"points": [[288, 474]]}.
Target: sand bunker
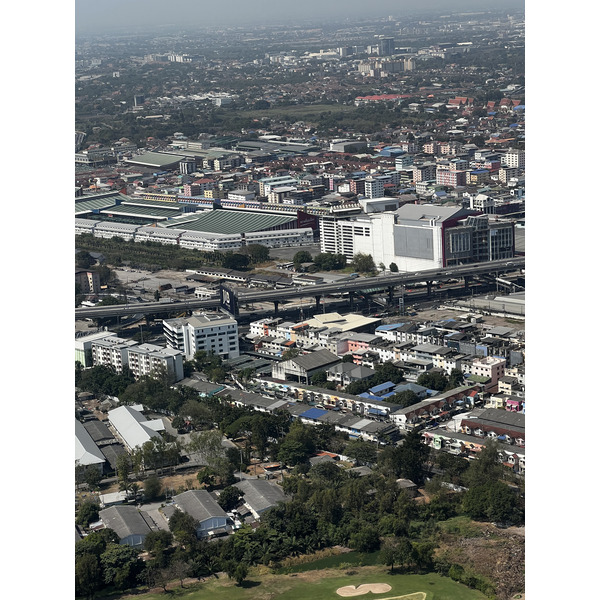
{"points": [[377, 588], [365, 588]]}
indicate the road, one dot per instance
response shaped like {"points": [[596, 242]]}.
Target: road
{"points": [[351, 285]]}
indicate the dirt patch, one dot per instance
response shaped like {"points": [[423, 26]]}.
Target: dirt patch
{"points": [[187, 481], [497, 554]]}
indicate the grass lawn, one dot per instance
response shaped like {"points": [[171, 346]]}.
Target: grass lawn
{"points": [[322, 585]]}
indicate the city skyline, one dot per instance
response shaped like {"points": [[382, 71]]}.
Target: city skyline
{"points": [[108, 16]]}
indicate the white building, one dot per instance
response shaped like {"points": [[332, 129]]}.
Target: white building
{"points": [[148, 359], [419, 237], [132, 426], [374, 187], [111, 352], [83, 346], [514, 158], [490, 367], [214, 333], [198, 240]]}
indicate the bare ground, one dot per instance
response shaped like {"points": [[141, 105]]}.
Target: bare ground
{"points": [[498, 554]]}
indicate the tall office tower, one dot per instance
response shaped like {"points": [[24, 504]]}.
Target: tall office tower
{"points": [[386, 46]]}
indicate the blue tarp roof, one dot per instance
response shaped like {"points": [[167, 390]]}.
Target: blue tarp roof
{"points": [[376, 411], [313, 413]]}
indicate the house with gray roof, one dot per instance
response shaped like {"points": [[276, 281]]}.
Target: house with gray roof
{"points": [[346, 373], [301, 368], [131, 525], [203, 508], [260, 495]]}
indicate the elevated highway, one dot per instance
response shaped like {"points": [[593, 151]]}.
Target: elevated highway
{"points": [[350, 286]]}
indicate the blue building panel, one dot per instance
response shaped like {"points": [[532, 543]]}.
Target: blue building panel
{"points": [[382, 387]]}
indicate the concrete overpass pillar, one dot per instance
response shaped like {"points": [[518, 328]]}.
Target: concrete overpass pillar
{"points": [[276, 303], [429, 284], [351, 298], [390, 295], [317, 303], [468, 280]]}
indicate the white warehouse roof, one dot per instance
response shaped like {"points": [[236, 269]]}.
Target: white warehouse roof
{"points": [[86, 450], [133, 427]]}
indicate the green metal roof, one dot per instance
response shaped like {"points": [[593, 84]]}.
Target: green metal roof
{"points": [[141, 211], [229, 221], [87, 206], [156, 159]]}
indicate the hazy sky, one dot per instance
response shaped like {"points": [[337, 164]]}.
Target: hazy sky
{"points": [[108, 15]]}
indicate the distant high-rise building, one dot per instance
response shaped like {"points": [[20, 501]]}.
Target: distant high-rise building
{"points": [[386, 46], [138, 100]]}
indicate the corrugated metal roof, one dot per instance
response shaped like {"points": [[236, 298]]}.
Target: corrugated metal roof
{"points": [[86, 451], [232, 222], [199, 504], [131, 425], [125, 521]]}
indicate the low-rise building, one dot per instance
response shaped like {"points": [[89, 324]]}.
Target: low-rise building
{"points": [[130, 525], [133, 428], [203, 508]]}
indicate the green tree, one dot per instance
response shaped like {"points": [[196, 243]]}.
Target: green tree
{"points": [[433, 380], [404, 399], [394, 267], [319, 378], [121, 565], [389, 552], [87, 513], [257, 253], [300, 257], [456, 379], [361, 451], [84, 260], [96, 542], [365, 540], [487, 468], [240, 573], [88, 575], [363, 263], [229, 498], [404, 552], [152, 488], [233, 260], [207, 446], [156, 540], [183, 526], [93, 477], [123, 471]]}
